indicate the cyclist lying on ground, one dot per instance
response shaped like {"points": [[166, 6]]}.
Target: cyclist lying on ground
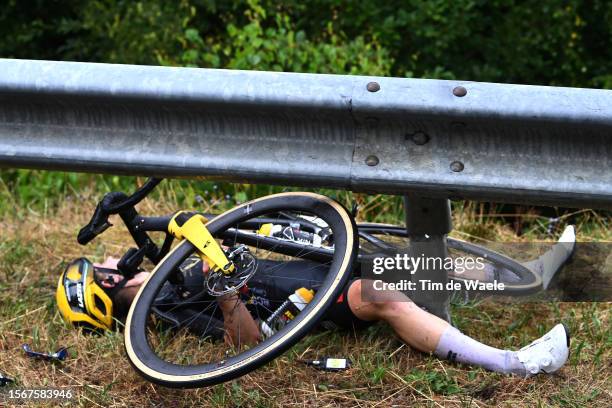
{"points": [[415, 326]]}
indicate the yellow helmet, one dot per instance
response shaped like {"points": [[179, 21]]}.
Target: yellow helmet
{"points": [[80, 300]]}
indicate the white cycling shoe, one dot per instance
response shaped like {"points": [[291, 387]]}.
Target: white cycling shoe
{"points": [[546, 354]]}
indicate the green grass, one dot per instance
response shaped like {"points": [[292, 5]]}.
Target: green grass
{"points": [[38, 239]]}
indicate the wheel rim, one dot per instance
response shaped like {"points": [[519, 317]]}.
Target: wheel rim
{"points": [[528, 282], [164, 371]]}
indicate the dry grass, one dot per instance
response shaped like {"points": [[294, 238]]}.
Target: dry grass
{"points": [[35, 247]]}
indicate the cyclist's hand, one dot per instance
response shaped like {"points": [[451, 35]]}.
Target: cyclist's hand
{"points": [[137, 279], [109, 263], [206, 266]]}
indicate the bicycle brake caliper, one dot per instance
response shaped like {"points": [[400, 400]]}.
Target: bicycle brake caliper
{"points": [[192, 227]]}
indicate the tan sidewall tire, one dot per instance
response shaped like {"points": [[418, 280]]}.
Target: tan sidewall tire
{"points": [[260, 355]]}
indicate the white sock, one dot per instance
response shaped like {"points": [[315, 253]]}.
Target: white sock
{"points": [[549, 264], [456, 346]]}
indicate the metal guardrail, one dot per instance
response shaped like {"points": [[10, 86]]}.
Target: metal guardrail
{"points": [[482, 141]]}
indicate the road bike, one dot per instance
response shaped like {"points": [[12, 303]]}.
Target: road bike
{"points": [[269, 232], [176, 358]]}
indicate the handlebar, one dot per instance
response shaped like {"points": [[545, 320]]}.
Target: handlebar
{"points": [[113, 203]]}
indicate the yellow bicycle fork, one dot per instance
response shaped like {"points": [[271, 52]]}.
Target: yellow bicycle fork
{"points": [[192, 227]]}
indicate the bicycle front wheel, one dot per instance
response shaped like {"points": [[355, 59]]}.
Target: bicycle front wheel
{"points": [[177, 352]]}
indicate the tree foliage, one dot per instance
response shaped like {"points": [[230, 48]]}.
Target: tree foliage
{"points": [[550, 42]]}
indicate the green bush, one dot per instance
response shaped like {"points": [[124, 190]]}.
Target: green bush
{"points": [[550, 42]]}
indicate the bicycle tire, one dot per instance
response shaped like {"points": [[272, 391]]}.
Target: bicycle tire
{"points": [[148, 364], [529, 282]]}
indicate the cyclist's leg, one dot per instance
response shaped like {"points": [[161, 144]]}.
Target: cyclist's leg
{"points": [[546, 266], [340, 315], [551, 262], [428, 333], [412, 324]]}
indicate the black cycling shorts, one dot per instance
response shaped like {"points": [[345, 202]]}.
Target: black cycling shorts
{"points": [[274, 282], [270, 286], [341, 314]]}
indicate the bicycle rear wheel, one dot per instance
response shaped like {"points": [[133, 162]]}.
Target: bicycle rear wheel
{"points": [[174, 354], [380, 239], [517, 279]]}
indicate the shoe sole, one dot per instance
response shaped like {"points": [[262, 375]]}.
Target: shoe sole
{"points": [[567, 335]]}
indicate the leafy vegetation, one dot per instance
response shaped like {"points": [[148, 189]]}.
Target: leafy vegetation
{"points": [[550, 42]]}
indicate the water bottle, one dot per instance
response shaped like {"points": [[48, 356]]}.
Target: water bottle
{"points": [[286, 311], [291, 232]]}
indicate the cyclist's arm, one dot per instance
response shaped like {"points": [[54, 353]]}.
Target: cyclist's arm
{"points": [[240, 327]]}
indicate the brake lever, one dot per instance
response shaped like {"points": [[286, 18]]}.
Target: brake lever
{"points": [[98, 224], [106, 225], [130, 262]]}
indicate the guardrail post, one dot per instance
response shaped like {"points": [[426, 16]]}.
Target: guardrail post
{"points": [[428, 221]]}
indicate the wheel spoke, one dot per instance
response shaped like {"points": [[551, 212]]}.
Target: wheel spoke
{"points": [[191, 332]]}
